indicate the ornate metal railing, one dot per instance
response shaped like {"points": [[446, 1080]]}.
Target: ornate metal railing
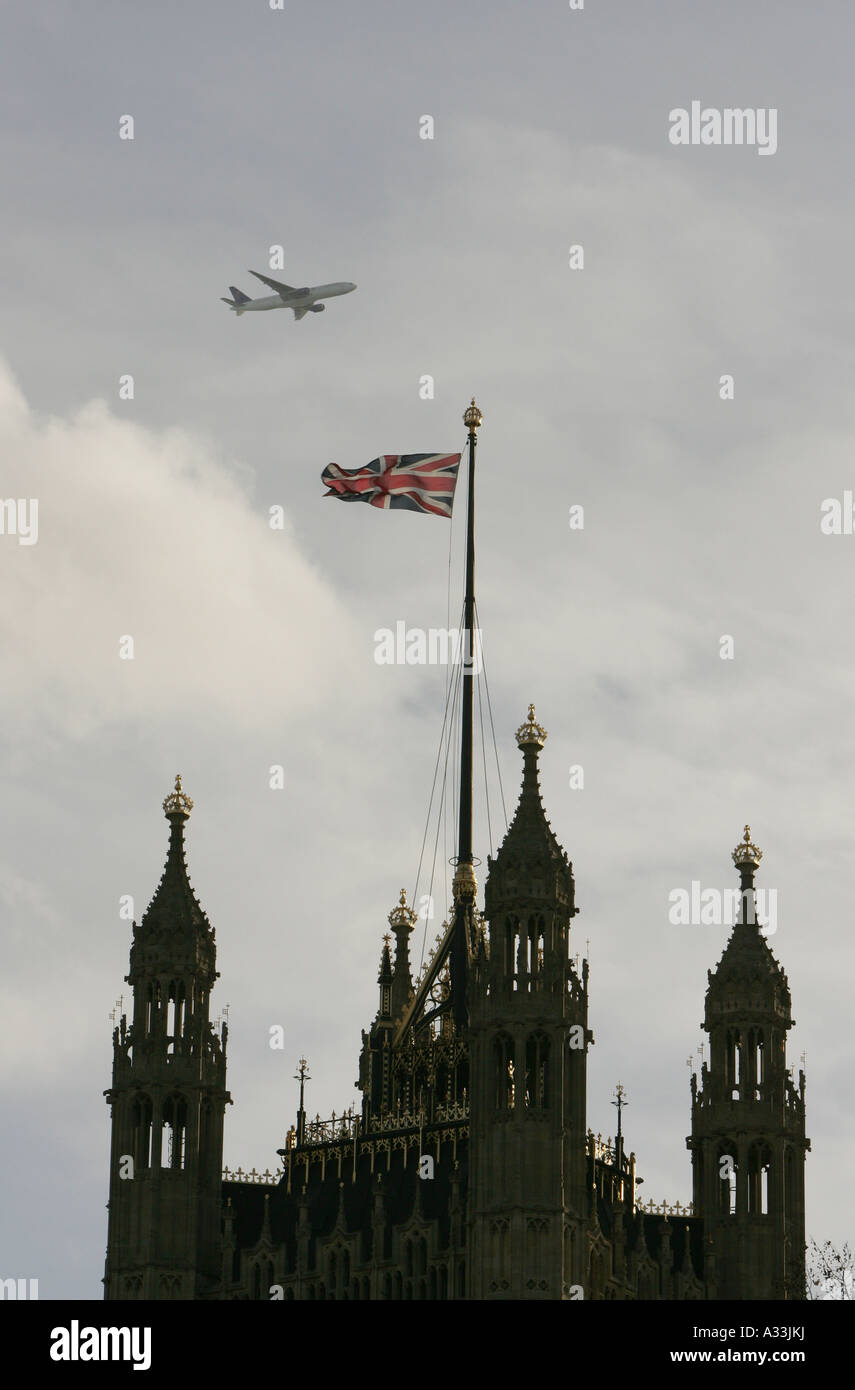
{"points": [[404, 1119], [267, 1178], [348, 1126], [600, 1147], [338, 1128], [454, 1110], [652, 1208]]}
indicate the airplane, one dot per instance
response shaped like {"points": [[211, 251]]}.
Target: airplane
{"points": [[302, 301]]}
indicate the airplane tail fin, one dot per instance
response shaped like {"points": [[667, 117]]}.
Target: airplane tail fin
{"points": [[237, 300]]}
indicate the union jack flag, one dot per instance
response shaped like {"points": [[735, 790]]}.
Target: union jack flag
{"points": [[416, 482]]}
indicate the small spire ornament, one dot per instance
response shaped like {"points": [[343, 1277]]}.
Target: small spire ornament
{"points": [[531, 732], [178, 802], [402, 915], [746, 852]]}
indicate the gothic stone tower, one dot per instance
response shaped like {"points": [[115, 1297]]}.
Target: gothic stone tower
{"points": [[167, 1098], [528, 1052], [748, 1120]]}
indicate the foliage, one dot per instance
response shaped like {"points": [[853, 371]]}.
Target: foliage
{"points": [[830, 1272]]}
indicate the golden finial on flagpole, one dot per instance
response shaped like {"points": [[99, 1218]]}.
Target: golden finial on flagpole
{"points": [[472, 416]]}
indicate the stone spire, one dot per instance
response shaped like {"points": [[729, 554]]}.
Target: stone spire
{"points": [[385, 976], [174, 924], [748, 972], [384, 980], [402, 919], [530, 867]]}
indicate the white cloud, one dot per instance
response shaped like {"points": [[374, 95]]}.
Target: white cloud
{"points": [[153, 535]]}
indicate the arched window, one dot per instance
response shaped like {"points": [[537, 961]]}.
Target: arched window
{"points": [[170, 1012], [789, 1184], [142, 1122], [503, 1069], [734, 1062], [175, 1124], [759, 1164], [531, 952], [726, 1166], [510, 938], [759, 1061], [174, 1014], [537, 1071]]}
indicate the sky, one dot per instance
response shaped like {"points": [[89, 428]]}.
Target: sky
{"points": [[603, 385]]}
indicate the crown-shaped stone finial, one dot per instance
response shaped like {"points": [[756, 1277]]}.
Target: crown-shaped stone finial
{"points": [[177, 803], [746, 852], [531, 731]]}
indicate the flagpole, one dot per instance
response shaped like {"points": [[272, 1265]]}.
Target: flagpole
{"points": [[464, 877]]}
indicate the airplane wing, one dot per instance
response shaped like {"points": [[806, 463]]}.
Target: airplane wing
{"points": [[274, 284], [300, 314]]}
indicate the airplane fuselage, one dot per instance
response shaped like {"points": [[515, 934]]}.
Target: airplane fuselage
{"points": [[300, 299]]}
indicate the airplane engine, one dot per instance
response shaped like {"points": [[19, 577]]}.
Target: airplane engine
{"points": [[317, 308]]}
